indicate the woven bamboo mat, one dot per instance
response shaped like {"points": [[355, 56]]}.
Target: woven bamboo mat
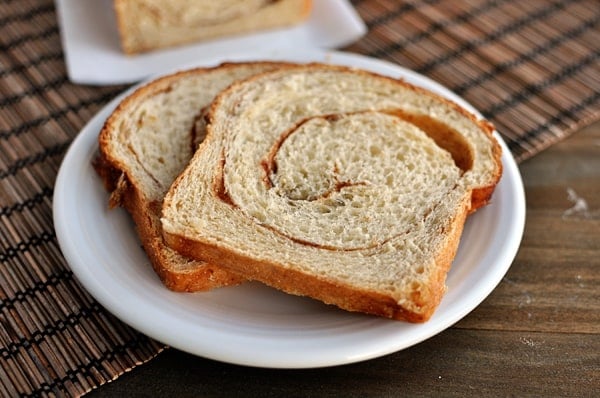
{"points": [[531, 67]]}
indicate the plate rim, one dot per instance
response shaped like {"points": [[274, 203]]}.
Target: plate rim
{"points": [[86, 140]]}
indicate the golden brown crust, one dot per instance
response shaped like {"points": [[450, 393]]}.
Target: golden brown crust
{"points": [[481, 196], [202, 277], [344, 296], [125, 194], [295, 282], [108, 174], [308, 5], [446, 256], [341, 295]]}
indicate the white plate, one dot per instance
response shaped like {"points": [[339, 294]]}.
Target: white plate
{"points": [[252, 324], [93, 55]]}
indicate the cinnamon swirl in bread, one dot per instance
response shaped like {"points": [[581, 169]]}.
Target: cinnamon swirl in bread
{"points": [[335, 183], [146, 142]]}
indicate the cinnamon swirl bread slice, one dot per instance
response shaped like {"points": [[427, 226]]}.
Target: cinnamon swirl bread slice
{"points": [[146, 142], [146, 25], [334, 183]]}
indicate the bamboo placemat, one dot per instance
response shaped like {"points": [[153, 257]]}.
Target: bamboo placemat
{"points": [[531, 67], [54, 338]]}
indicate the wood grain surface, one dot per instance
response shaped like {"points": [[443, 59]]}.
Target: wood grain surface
{"points": [[537, 334]]}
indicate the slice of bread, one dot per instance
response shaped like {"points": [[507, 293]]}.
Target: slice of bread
{"points": [[146, 25], [146, 142], [335, 183]]}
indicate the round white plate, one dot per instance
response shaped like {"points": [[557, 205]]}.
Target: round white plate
{"points": [[252, 324]]}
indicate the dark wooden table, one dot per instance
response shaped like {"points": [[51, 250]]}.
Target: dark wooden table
{"points": [[537, 334]]}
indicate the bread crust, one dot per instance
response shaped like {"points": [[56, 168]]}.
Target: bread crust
{"points": [[342, 295], [203, 276]]}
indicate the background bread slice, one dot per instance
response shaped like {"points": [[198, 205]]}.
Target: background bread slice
{"points": [[146, 142], [151, 24], [335, 183]]}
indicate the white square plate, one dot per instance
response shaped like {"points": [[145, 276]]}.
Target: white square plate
{"points": [[93, 55]]}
